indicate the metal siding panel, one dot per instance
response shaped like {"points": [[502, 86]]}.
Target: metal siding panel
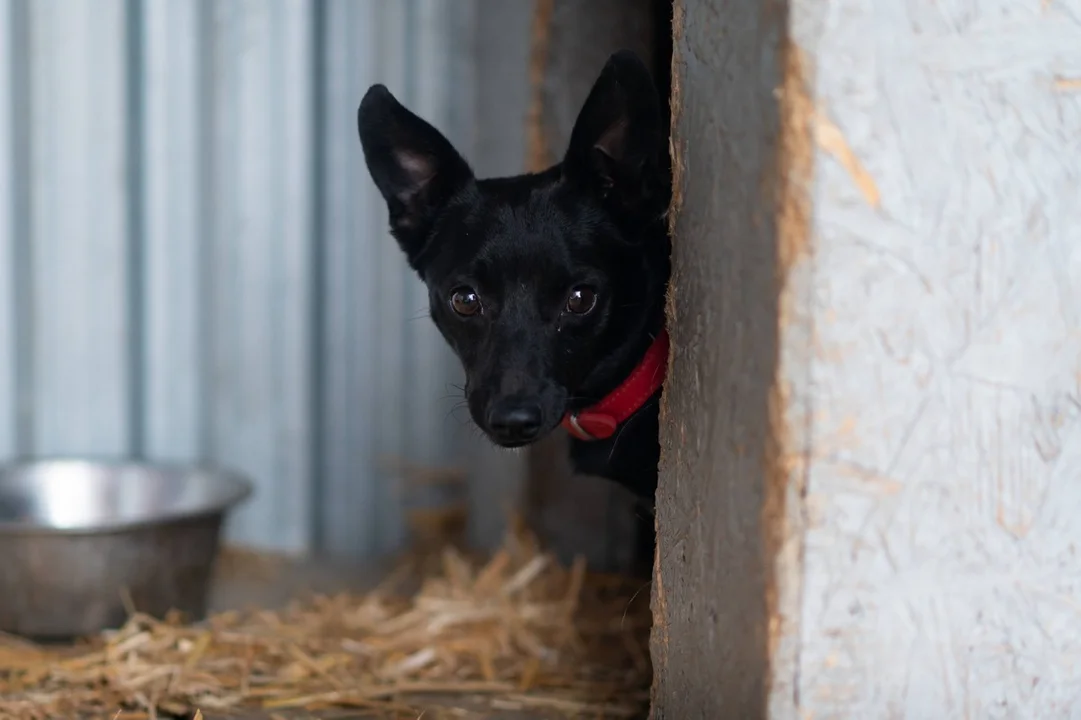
{"points": [[8, 269], [260, 265], [429, 370], [388, 391], [79, 219], [430, 394], [173, 234], [225, 261], [366, 358], [350, 513], [390, 431], [444, 95], [295, 190], [386, 394]]}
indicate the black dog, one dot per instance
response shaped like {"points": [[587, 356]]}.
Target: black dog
{"points": [[550, 287]]}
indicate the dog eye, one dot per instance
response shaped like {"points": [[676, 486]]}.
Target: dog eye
{"points": [[581, 300], [465, 301]]}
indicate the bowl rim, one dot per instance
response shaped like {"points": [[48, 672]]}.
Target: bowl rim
{"points": [[239, 488]]}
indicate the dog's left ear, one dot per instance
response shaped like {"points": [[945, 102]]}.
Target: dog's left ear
{"points": [[617, 139], [414, 166]]}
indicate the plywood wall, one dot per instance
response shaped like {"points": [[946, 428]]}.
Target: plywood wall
{"points": [[872, 437]]}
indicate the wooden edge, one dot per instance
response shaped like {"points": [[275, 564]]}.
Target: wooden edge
{"points": [[789, 417]]}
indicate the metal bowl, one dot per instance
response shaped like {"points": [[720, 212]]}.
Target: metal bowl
{"points": [[81, 541]]}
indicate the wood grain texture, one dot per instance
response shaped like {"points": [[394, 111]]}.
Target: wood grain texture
{"points": [[730, 417]]}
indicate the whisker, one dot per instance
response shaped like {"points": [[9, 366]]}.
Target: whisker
{"points": [[453, 414], [623, 429], [630, 602]]}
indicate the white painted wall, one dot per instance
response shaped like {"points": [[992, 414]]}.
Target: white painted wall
{"points": [[942, 518]]}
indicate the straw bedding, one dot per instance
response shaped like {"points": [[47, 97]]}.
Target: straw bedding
{"points": [[521, 630]]}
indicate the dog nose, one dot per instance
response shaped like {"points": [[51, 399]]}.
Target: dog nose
{"points": [[516, 421]]}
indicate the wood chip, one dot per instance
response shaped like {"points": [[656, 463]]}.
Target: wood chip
{"points": [[830, 139], [1067, 84]]}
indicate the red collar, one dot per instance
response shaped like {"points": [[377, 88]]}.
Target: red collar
{"points": [[600, 421]]}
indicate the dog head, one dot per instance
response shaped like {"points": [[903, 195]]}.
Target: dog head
{"points": [[547, 285]]}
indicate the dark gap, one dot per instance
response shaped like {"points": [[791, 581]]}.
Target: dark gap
{"points": [[320, 451], [136, 268], [662, 53], [661, 27], [22, 270]]}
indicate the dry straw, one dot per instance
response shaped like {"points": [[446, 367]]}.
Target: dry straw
{"points": [[521, 630]]}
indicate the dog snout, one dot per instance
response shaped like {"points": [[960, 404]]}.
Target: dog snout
{"points": [[516, 420]]}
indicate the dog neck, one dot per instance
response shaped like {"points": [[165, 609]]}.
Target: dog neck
{"points": [[600, 421]]}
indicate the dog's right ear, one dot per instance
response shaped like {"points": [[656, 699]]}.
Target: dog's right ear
{"points": [[616, 144], [414, 166]]}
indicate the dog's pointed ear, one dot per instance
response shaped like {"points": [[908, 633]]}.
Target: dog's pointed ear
{"points": [[414, 166], [617, 139]]}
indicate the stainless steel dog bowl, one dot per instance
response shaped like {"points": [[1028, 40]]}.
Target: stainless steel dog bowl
{"points": [[80, 539]]}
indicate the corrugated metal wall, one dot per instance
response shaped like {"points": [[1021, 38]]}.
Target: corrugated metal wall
{"points": [[193, 260]]}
